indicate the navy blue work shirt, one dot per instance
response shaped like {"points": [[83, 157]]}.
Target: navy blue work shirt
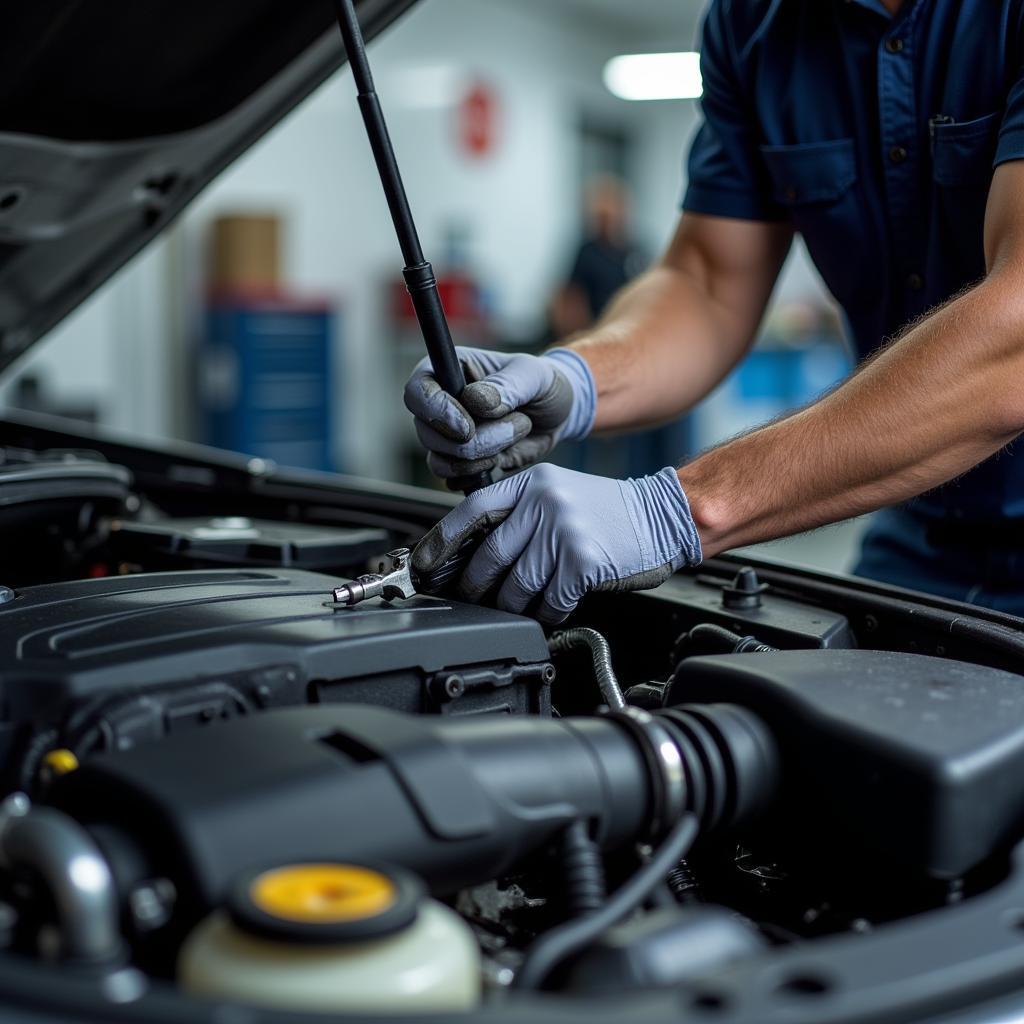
{"points": [[876, 137]]}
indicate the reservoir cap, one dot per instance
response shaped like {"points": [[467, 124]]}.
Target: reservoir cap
{"points": [[325, 903]]}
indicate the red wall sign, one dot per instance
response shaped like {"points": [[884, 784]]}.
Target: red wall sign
{"points": [[478, 120]]}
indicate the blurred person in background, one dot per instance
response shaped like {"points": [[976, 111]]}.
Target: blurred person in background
{"points": [[605, 262], [890, 134]]}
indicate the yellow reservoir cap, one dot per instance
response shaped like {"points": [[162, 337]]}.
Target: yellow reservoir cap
{"points": [[60, 761], [323, 893]]}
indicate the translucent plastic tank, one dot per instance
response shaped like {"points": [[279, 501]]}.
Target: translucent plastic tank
{"points": [[302, 938]]}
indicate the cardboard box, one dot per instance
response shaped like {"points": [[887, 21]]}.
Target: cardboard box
{"points": [[245, 254]]}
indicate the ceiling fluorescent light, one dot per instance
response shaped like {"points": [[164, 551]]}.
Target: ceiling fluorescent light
{"points": [[655, 76]]}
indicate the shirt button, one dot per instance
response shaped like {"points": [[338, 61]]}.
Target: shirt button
{"points": [[791, 194], [897, 154], [894, 44], [915, 282]]}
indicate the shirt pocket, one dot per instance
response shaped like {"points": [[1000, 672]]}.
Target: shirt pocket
{"points": [[962, 154], [816, 182], [811, 173], [962, 158]]}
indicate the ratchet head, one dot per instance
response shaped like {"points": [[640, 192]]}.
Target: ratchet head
{"points": [[396, 580], [393, 582]]}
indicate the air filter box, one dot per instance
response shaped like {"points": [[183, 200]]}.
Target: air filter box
{"points": [[920, 760]]}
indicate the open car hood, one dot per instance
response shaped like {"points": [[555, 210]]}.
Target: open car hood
{"points": [[115, 114]]}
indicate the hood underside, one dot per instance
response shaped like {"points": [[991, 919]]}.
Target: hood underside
{"points": [[115, 114]]}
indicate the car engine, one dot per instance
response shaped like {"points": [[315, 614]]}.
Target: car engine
{"points": [[748, 788]]}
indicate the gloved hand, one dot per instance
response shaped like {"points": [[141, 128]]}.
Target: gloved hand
{"points": [[559, 534], [515, 409]]}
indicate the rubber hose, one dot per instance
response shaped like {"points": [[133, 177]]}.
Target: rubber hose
{"points": [[601, 655], [32, 757], [552, 948], [708, 638], [583, 869]]}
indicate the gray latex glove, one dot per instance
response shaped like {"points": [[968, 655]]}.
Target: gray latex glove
{"points": [[558, 534], [514, 410]]}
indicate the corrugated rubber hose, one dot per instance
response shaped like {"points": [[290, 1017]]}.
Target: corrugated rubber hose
{"points": [[601, 655]]}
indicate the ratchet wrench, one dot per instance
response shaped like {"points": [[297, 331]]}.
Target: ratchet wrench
{"points": [[397, 580]]}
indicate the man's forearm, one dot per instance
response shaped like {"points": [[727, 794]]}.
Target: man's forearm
{"points": [[658, 351], [933, 405]]}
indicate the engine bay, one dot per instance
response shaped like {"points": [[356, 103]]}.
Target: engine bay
{"points": [[743, 796]]}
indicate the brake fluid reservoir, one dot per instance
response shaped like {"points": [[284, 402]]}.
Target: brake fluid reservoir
{"points": [[334, 937]]}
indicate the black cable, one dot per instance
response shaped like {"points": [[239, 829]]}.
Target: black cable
{"points": [[707, 638], [729, 642], [583, 870], [32, 758], [601, 656], [552, 948]]}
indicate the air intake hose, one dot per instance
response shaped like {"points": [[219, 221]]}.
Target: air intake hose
{"points": [[457, 801]]}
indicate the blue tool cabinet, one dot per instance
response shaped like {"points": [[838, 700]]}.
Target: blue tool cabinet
{"points": [[266, 380]]}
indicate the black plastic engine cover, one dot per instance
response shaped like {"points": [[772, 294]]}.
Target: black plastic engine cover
{"points": [[919, 759], [141, 656], [242, 543]]}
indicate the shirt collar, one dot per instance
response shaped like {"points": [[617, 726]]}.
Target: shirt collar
{"points": [[873, 5], [774, 5]]}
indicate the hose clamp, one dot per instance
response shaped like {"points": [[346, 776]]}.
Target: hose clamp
{"points": [[664, 765]]}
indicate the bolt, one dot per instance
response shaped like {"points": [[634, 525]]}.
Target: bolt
{"points": [[454, 687], [151, 903]]}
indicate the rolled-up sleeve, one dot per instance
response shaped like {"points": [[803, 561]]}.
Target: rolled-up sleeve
{"points": [[726, 176], [1011, 131]]}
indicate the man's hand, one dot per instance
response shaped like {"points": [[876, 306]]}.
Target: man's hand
{"points": [[559, 534], [515, 409]]}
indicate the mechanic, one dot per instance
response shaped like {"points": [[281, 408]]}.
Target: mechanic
{"points": [[890, 134]]}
